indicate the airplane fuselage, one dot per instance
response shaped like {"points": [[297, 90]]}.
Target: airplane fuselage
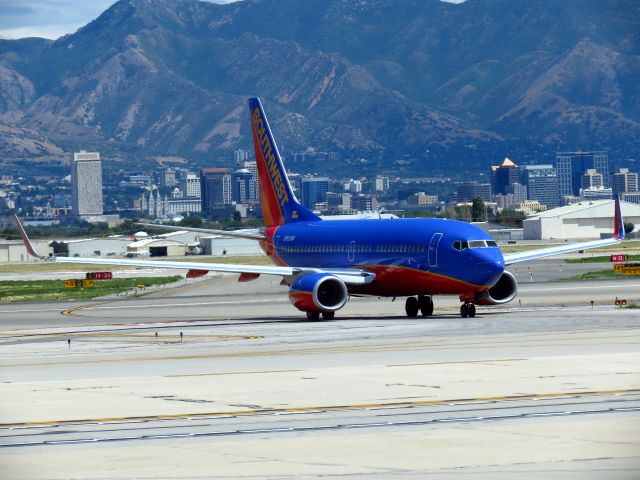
{"points": [[408, 256]]}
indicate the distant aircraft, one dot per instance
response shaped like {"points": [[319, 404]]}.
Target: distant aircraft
{"points": [[325, 261]]}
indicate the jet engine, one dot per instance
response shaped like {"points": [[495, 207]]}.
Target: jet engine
{"points": [[505, 290], [318, 292]]}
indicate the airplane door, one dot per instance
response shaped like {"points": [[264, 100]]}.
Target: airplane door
{"points": [[433, 250], [351, 251]]}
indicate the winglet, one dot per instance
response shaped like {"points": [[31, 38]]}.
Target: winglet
{"points": [[618, 221], [25, 240]]}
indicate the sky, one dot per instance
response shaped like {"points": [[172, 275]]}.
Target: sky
{"points": [[55, 18]]}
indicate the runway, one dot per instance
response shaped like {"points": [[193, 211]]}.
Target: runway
{"points": [[547, 388]]}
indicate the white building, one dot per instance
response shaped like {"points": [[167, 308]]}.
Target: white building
{"points": [[584, 220], [86, 184], [15, 251]]}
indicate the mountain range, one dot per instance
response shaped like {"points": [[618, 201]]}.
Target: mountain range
{"points": [[388, 79]]}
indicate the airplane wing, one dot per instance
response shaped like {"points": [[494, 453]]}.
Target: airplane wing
{"points": [[618, 235], [196, 269], [249, 234]]}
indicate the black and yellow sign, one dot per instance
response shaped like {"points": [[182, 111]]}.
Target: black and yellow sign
{"points": [[78, 284], [627, 268]]}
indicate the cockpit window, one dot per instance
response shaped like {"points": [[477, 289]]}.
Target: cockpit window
{"points": [[491, 243], [460, 245], [477, 244]]}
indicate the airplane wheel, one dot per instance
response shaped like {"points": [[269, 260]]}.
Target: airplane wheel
{"points": [[411, 307], [464, 310], [313, 316], [472, 310], [328, 315], [426, 306]]}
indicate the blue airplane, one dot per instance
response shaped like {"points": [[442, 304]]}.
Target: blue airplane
{"points": [[325, 261]]}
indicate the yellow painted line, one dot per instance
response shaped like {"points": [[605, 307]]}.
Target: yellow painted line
{"points": [[71, 312], [362, 406], [257, 372]]}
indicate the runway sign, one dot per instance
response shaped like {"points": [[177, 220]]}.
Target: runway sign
{"points": [[70, 283], [620, 258], [630, 269], [99, 275], [78, 283]]}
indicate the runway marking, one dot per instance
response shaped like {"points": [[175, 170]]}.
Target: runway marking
{"points": [[459, 362], [594, 287], [257, 372], [71, 312], [481, 344], [363, 406]]}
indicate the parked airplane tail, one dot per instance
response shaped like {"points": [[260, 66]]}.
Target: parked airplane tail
{"points": [[279, 204], [618, 222]]}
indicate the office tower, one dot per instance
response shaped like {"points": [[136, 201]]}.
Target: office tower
{"points": [[241, 186], [570, 167], [382, 183], [191, 186], [314, 190], [86, 184], [467, 191], [518, 191], [591, 179], [240, 156], [504, 175], [254, 188], [542, 184], [215, 188], [169, 177], [624, 181]]}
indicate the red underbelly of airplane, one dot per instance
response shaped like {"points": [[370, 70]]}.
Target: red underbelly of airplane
{"points": [[403, 281]]}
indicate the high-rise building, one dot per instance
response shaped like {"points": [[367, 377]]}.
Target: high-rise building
{"points": [[503, 175], [518, 191], [169, 177], [254, 186], [314, 190], [624, 181], [382, 183], [542, 184], [591, 179], [571, 166], [215, 188], [86, 184], [191, 186], [240, 156], [241, 186], [467, 191]]}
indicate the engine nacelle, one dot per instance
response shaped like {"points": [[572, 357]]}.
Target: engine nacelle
{"points": [[318, 292], [505, 290]]}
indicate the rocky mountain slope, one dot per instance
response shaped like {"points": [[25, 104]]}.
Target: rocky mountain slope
{"points": [[365, 77]]}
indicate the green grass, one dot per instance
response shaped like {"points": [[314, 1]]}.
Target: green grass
{"points": [[625, 245], [48, 290], [600, 259], [599, 274]]}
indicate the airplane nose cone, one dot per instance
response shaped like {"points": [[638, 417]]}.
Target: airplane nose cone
{"points": [[489, 267]]}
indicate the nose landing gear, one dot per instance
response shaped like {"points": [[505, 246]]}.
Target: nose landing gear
{"points": [[467, 309]]}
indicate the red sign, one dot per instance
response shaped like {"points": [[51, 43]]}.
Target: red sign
{"points": [[619, 258], [99, 275]]}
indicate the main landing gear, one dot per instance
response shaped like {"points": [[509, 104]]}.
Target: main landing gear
{"points": [[467, 309], [423, 304], [315, 316]]}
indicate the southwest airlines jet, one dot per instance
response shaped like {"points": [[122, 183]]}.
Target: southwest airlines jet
{"points": [[323, 262]]}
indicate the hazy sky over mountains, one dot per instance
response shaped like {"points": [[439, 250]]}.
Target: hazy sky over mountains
{"points": [[55, 18]]}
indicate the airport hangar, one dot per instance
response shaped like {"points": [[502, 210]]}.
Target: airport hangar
{"points": [[584, 220]]}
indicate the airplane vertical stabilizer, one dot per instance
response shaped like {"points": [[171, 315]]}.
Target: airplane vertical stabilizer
{"points": [[618, 222], [279, 204]]}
